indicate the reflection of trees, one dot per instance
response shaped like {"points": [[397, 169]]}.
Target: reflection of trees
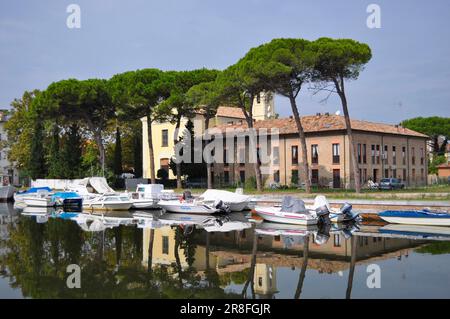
{"points": [[301, 278], [36, 257], [436, 248]]}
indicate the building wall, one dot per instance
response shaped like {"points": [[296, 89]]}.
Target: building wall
{"points": [[415, 170]]}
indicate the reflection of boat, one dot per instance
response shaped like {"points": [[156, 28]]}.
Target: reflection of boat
{"points": [[95, 223], [229, 222], [6, 192], [40, 199], [67, 199], [277, 229], [108, 202], [236, 202], [416, 231], [422, 217]]}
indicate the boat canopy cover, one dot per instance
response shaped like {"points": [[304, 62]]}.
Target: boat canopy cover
{"points": [[225, 196], [34, 190], [100, 185], [414, 214], [321, 201], [293, 205], [66, 195]]}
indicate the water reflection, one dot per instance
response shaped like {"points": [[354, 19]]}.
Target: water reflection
{"points": [[159, 255]]}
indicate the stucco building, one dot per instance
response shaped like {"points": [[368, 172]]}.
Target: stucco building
{"points": [[8, 173]]}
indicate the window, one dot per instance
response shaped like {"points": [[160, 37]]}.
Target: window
{"points": [[164, 164], [242, 176], [359, 153], [336, 154], [337, 241], [315, 176], [314, 154], [364, 175], [258, 98], [225, 157], [394, 173], [377, 154], [226, 177], [386, 173], [260, 281], [242, 156], [385, 155], [422, 156], [165, 245], [165, 138], [413, 156], [294, 177], [364, 153], [404, 174], [276, 155], [404, 155], [294, 151], [394, 155], [373, 154], [276, 176], [422, 174], [413, 174]]}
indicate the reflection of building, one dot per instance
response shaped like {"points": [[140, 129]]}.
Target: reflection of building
{"points": [[163, 133], [265, 280]]}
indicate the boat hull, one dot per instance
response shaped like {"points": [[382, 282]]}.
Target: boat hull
{"points": [[38, 202], [416, 218], [186, 208], [274, 215], [144, 204], [108, 206]]}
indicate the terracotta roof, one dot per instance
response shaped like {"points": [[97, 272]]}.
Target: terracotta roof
{"points": [[229, 111], [444, 166], [325, 123]]}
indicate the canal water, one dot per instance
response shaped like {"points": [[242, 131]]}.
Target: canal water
{"points": [[155, 255]]}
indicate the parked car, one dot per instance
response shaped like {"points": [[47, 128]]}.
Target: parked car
{"points": [[391, 183]]}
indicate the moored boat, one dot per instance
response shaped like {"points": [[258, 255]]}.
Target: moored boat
{"points": [[108, 202], [235, 201], [190, 205], [416, 217], [33, 191], [294, 211]]}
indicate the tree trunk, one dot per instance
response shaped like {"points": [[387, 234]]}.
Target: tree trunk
{"points": [[101, 150], [150, 251], [351, 272], [251, 274], [254, 141], [178, 164], [341, 92], [302, 137], [208, 165], [151, 154]]}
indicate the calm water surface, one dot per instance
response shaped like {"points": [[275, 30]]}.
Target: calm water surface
{"points": [[155, 255]]}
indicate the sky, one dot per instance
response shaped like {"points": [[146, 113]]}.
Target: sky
{"points": [[408, 76]]}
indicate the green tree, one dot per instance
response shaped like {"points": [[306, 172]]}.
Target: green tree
{"points": [[205, 98], [117, 166], [238, 86], [135, 95], [87, 101], [283, 66], [54, 161], [434, 127], [37, 166], [337, 61], [176, 106], [71, 153]]}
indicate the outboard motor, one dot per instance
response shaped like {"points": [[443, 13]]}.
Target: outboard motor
{"points": [[323, 215], [346, 209], [224, 209]]}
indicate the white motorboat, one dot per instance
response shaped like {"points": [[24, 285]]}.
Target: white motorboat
{"points": [[40, 199], [6, 192], [190, 205], [108, 202], [33, 191], [417, 217], [235, 201], [276, 229], [293, 211]]}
